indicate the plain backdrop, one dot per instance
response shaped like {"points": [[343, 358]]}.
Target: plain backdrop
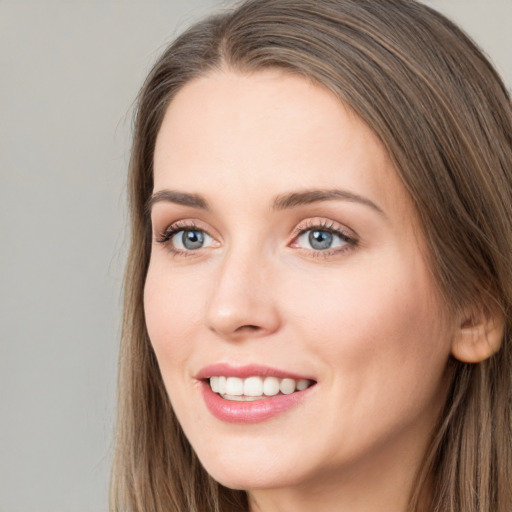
{"points": [[69, 73]]}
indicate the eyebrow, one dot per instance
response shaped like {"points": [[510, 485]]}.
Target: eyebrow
{"points": [[176, 197], [294, 199], [281, 202]]}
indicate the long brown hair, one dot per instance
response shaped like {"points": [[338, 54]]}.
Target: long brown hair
{"points": [[445, 118]]}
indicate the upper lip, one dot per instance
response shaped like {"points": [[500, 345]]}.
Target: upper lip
{"points": [[244, 371]]}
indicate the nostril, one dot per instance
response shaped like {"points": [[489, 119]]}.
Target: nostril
{"points": [[248, 328]]}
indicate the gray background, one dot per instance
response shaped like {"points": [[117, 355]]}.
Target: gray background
{"points": [[69, 72]]}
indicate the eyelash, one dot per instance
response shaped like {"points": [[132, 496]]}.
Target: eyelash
{"points": [[165, 237], [351, 241], [329, 227]]}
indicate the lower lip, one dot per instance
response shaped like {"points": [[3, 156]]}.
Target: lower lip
{"points": [[254, 411]]}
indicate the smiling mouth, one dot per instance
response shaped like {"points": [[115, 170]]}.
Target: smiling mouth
{"points": [[255, 388]]}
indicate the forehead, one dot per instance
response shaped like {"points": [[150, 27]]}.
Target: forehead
{"points": [[268, 131]]}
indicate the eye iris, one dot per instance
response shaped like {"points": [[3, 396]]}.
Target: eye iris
{"points": [[192, 239], [320, 240]]}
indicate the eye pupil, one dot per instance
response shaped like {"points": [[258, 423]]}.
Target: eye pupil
{"points": [[320, 240], [192, 239]]}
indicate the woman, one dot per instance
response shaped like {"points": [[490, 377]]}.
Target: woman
{"points": [[319, 284]]}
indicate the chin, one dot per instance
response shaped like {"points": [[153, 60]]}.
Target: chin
{"points": [[244, 472], [248, 479]]}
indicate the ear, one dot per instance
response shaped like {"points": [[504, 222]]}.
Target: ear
{"points": [[479, 334]]}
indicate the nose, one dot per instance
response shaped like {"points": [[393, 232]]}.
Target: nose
{"points": [[243, 303]]}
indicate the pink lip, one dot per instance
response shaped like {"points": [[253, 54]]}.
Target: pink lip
{"points": [[255, 411]]}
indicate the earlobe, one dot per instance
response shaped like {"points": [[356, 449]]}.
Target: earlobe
{"points": [[479, 335]]}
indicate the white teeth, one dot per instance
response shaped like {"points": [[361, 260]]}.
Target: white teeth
{"points": [[287, 386], [241, 398], [214, 384], [271, 386], [221, 385], [253, 388], [234, 386], [302, 384]]}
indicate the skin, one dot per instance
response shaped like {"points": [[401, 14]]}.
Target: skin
{"points": [[362, 319]]}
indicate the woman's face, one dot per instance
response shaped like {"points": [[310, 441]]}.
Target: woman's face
{"points": [[286, 254]]}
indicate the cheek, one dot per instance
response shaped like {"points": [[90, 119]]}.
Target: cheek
{"points": [[378, 326], [169, 319], [384, 351]]}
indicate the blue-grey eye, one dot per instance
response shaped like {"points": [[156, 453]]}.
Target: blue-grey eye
{"points": [[191, 239], [320, 239]]}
